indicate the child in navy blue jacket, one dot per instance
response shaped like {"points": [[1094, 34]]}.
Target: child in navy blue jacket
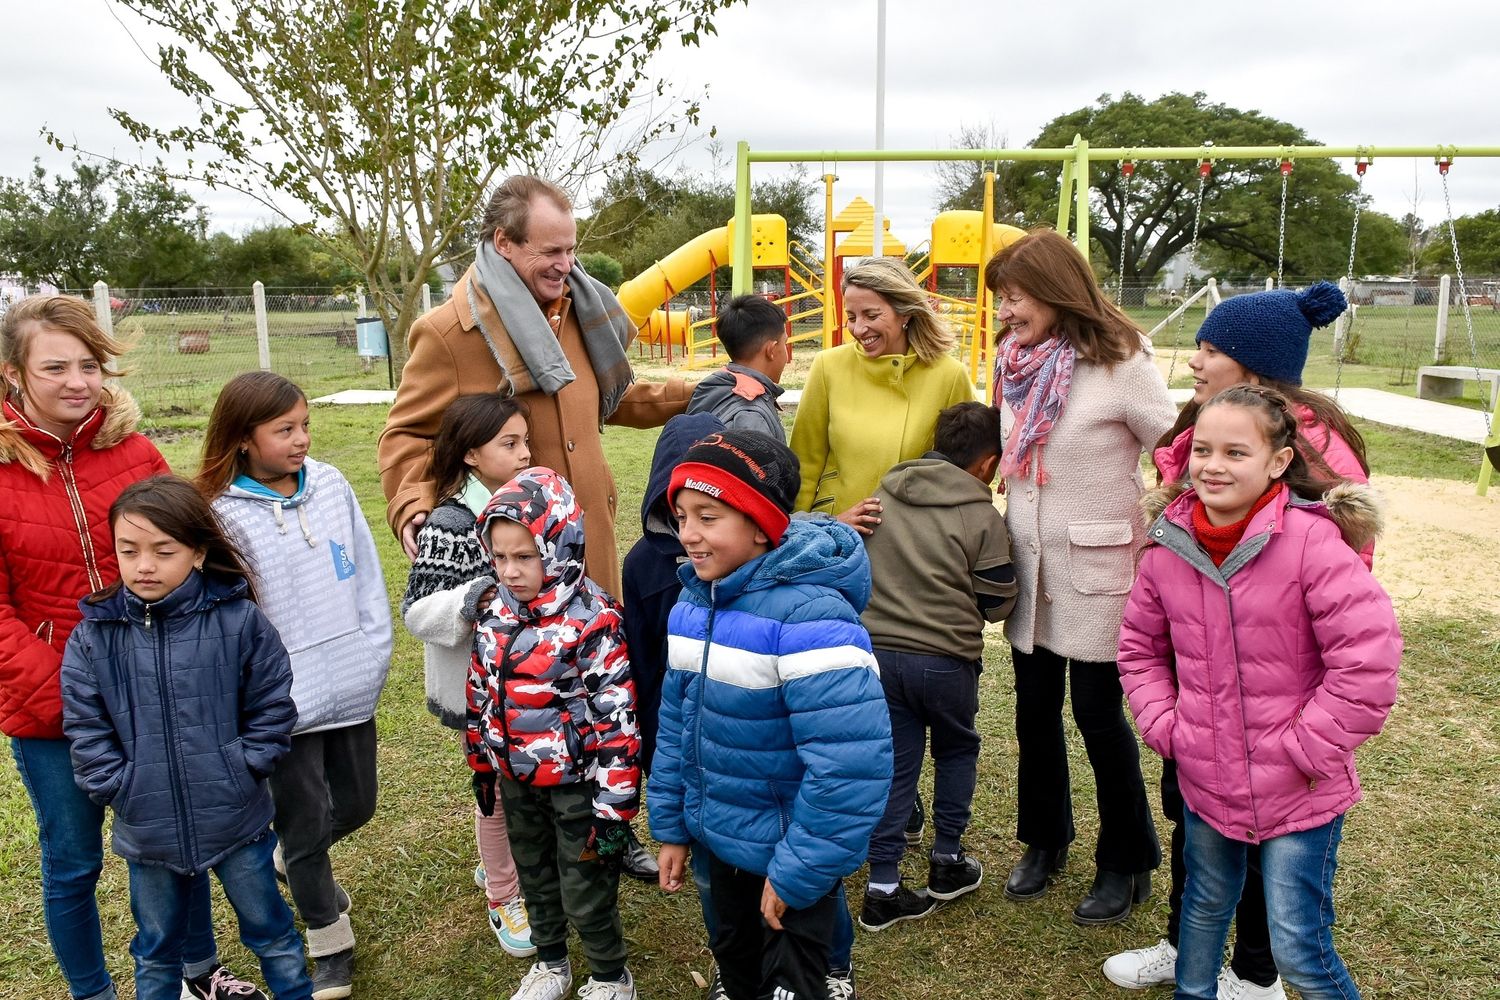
{"points": [[177, 700], [773, 754]]}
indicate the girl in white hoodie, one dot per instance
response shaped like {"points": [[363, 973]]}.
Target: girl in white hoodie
{"points": [[320, 583]]}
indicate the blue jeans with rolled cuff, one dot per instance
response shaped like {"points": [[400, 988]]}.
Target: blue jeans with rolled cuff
{"points": [[1297, 872]]}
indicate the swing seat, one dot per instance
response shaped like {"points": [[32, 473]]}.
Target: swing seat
{"points": [[1447, 381]]}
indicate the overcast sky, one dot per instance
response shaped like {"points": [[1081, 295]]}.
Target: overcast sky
{"points": [[799, 74]]}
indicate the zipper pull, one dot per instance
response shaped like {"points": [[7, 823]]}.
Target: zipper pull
{"points": [[148, 618]]}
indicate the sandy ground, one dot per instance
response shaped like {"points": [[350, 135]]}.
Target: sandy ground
{"points": [[1440, 553]]}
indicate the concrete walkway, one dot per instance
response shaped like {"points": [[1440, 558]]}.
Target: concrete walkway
{"points": [[1378, 405]]}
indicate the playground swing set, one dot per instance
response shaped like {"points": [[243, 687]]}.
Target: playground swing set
{"points": [[811, 283]]}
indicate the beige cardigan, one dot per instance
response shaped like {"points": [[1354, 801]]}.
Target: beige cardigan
{"points": [[1074, 541]]}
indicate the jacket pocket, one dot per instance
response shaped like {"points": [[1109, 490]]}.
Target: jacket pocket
{"points": [[823, 498], [239, 772], [1099, 557]]}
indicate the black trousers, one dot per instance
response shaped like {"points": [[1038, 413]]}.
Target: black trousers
{"points": [[324, 789], [1127, 836], [757, 963], [1252, 960]]}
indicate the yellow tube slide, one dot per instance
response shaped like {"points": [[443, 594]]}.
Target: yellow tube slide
{"points": [[682, 267]]}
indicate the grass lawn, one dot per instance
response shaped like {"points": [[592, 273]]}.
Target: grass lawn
{"points": [[1417, 886]]}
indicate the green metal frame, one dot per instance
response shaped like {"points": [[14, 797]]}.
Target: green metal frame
{"points": [[1075, 160]]}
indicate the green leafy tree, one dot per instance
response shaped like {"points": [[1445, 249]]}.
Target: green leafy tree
{"points": [[604, 267], [1241, 198], [1478, 245], [389, 120], [56, 232], [100, 222]]}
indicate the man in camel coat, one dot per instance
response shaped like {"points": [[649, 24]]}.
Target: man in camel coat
{"points": [[523, 299]]}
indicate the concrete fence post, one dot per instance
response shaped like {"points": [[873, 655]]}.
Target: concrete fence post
{"points": [[1270, 284], [1212, 298], [1440, 344], [101, 308], [426, 299], [262, 328]]}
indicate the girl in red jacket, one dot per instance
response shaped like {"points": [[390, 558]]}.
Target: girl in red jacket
{"points": [[68, 447], [1257, 652]]}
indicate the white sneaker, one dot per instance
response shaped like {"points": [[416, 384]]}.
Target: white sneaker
{"points": [[593, 989], [545, 982], [479, 876], [1232, 987], [513, 927], [1143, 967]]}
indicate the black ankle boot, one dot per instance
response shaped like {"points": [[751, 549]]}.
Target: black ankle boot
{"points": [[1113, 896], [1036, 869], [637, 861]]}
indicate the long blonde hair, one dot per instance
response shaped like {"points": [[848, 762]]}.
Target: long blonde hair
{"points": [[926, 332]]}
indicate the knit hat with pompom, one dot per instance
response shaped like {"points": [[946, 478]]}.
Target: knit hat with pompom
{"points": [[1268, 332]]}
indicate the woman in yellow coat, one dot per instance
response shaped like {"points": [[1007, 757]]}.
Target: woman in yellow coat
{"points": [[873, 402]]}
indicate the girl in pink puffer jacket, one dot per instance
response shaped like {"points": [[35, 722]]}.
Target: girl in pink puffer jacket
{"points": [[1257, 652]]}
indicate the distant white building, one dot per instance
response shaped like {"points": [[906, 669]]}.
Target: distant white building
{"points": [[1384, 290]]}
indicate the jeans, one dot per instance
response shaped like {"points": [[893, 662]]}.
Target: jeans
{"points": [[70, 829], [941, 694], [1251, 959], [756, 962], [1297, 871], [161, 898], [324, 790], [1044, 811], [840, 945]]}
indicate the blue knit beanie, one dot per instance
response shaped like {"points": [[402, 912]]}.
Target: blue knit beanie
{"points": [[1268, 332]]}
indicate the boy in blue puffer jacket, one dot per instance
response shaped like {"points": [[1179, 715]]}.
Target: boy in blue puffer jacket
{"points": [[773, 753]]}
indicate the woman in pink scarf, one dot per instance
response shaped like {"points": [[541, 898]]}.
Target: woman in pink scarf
{"points": [[1085, 399]]}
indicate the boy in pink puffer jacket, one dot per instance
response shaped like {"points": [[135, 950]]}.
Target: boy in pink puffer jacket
{"points": [[1257, 652]]}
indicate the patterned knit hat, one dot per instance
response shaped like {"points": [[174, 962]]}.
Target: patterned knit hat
{"points": [[1268, 332], [751, 472]]}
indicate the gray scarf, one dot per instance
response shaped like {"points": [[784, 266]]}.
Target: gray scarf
{"points": [[537, 362]]}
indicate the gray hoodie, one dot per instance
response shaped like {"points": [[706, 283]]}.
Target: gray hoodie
{"points": [[743, 398], [320, 584]]}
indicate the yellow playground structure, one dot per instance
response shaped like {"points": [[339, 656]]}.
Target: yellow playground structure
{"points": [[810, 283]]}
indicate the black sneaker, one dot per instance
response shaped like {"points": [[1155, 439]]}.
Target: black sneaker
{"points": [[333, 975], [219, 984], [951, 879], [915, 824], [880, 912]]}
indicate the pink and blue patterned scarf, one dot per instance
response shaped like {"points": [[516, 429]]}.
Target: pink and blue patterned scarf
{"points": [[1034, 381]]}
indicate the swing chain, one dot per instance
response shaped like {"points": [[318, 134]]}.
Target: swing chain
{"points": [[1444, 162], [1340, 343], [1205, 167], [1286, 173], [1127, 168]]}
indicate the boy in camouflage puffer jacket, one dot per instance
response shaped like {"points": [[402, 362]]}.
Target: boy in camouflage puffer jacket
{"points": [[551, 722]]}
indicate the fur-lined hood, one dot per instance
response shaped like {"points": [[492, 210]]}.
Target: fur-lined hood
{"points": [[35, 450], [1355, 508]]}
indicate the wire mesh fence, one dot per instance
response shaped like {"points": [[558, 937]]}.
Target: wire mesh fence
{"points": [[1394, 329], [186, 344]]}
